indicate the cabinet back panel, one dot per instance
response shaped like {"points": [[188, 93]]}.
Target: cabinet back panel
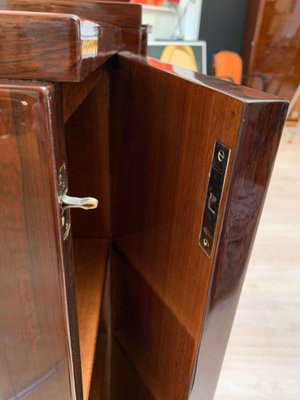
{"points": [[87, 139]]}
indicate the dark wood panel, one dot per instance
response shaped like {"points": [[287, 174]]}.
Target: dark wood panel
{"points": [[127, 17], [162, 145], [87, 137], [253, 21], [74, 93], [58, 149], [144, 40], [273, 47], [115, 13], [159, 179], [156, 342], [54, 47], [35, 349], [259, 138], [131, 40], [126, 382], [101, 379], [91, 257]]}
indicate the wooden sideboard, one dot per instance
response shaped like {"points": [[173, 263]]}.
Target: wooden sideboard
{"points": [[271, 48], [134, 299]]}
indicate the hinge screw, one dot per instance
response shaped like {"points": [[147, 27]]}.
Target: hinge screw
{"points": [[221, 155], [205, 243]]}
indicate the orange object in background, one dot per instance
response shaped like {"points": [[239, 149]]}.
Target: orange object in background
{"points": [[160, 65], [158, 3], [228, 66]]}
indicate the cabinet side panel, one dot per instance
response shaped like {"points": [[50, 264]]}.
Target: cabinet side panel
{"points": [[259, 138], [34, 348]]}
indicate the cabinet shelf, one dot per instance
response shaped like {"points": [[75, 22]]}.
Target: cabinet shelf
{"points": [[90, 266]]}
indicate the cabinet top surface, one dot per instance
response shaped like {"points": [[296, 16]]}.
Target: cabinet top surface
{"points": [[239, 92], [64, 40]]}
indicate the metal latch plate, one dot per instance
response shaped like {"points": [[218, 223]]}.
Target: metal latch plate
{"points": [[213, 196]]}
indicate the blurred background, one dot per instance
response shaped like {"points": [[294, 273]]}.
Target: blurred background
{"points": [[253, 42], [256, 43]]}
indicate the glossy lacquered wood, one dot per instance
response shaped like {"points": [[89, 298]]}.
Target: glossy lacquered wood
{"points": [[113, 13], [64, 40], [91, 265], [259, 137], [55, 47], [74, 93], [126, 382], [271, 46], [265, 338], [140, 137], [162, 144], [87, 138], [127, 17], [35, 353]]}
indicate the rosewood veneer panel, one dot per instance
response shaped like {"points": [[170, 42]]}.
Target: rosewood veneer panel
{"points": [[115, 13], [53, 47], [91, 264], [127, 17], [162, 145], [87, 138], [259, 137], [272, 46], [35, 357]]}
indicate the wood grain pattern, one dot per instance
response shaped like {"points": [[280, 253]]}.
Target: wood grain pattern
{"points": [[163, 140], [34, 346], [101, 378], [162, 122], [74, 93], [272, 47], [48, 39], [114, 13], [265, 340], [87, 137], [259, 138], [126, 19], [126, 382], [253, 21], [51, 46], [90, 263]]}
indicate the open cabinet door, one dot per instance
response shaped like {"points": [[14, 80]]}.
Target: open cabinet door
{"points": [[36, 357], [191, 160]]}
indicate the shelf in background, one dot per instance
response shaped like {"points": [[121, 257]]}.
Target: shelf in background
{"points": [[90, 266]]}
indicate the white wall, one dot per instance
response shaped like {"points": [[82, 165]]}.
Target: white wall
{"points": [[191, 21], [166, 25]]}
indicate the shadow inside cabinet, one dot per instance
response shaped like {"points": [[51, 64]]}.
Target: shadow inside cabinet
{"points": [[86, 134]]}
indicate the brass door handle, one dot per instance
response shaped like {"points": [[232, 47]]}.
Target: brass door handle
{"points": [[86, 203]]}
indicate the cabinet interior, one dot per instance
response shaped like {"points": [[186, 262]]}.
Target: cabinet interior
{"points": [[86, 132]]}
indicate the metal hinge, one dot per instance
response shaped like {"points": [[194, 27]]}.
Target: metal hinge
{"points": [[67, 202]]}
